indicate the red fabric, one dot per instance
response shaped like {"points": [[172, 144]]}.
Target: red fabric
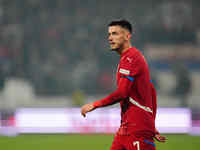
{"points": [[132, 142], [121, 93], [133, 118], [154, 102]]}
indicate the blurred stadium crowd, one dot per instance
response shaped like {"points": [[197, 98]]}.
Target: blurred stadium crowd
{"points": [[61, 46]]}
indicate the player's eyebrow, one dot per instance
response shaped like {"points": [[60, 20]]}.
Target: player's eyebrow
{"points": [[113, 32]]}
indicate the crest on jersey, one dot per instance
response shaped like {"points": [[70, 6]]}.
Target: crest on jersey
{"points": [[124, 71]]}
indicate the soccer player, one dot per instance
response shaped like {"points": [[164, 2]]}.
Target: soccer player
{"points": [[135, 93]]}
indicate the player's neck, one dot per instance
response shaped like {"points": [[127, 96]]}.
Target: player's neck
{"points": [[124, 48]]}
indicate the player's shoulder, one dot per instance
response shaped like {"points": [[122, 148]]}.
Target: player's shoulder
{"points": [[134, 54], [130, 57]]}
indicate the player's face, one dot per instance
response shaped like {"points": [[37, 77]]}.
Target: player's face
{"points": [[117, 37]]}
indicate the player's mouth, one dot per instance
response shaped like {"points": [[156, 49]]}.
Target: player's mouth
{"points": [[112, 43], [113, 46]]}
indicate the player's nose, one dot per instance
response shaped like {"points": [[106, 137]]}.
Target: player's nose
{"points": [[110, 39]]}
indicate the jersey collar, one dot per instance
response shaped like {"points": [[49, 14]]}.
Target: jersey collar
{"points": [[124, 53]]}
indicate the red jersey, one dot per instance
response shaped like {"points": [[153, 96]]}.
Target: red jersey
{"points": [[135, 93]]}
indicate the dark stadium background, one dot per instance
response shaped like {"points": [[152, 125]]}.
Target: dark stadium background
{"points": [[55, 54]]}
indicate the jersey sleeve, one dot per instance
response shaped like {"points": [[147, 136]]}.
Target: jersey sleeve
{"points": [[119, 94], [130, 67], [127, 71]]}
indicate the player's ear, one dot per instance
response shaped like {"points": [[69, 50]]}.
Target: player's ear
{"points": [[129, 36]]}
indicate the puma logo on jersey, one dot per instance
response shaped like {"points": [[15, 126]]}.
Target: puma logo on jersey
{"points": [[129, 59], [124, 71]]}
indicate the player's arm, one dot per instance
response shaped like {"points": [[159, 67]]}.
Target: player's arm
{"points": [[157, 136], [128, 70], [119, 94]]}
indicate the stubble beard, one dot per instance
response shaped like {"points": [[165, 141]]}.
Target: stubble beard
{"points": [[114, 49], [120, 47]]}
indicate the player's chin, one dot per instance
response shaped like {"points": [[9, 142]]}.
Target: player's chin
{"points": [[114, 48]]}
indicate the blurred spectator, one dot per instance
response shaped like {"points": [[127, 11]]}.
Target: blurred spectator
{"points": [[78, 98], [183, 84], [59, 45], [170, 22]]}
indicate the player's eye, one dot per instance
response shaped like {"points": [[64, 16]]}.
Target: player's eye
{"points": [[114, 33]]}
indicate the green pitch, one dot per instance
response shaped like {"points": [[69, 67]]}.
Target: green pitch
{"points": [[87, 142]]}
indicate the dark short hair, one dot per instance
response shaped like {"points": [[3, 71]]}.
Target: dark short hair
{"points": [[122, 23]]}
